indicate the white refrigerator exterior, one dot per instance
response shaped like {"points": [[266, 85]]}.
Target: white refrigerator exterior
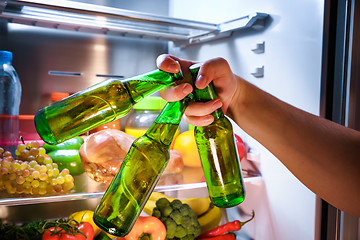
{"points": [[285, 208]]}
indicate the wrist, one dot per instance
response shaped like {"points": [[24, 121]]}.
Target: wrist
{"points": [[236, 104]]}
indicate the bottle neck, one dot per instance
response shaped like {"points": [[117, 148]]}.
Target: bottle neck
{"points": [[146, 84], [206, 94], [166, 124]]}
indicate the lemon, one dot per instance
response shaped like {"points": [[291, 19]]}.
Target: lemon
{"points": [[185, 144]]}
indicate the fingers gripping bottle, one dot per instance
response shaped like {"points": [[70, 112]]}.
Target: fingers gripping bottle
{"points": [[218, 153], [102, 103], [143, 165]]}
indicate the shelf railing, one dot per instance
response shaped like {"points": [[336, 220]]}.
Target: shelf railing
{"points": [[86, 188], [25, 200], [86, 17]]}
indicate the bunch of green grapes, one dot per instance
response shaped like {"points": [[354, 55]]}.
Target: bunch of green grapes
{"points": [[32, 172]]}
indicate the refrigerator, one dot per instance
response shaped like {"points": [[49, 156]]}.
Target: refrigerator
{"points": [[305, 53]]}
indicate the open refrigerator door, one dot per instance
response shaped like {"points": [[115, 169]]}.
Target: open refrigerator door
{"points": [[276, 45]]}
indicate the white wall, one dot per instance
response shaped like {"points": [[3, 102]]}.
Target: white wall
{"points": [[292, 61]]}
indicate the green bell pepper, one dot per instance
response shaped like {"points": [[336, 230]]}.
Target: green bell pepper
{"points": [[68, 158], [66, 155], [72, 143]]}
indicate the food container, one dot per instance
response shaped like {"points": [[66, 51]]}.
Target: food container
{"points": [[143, 115]]}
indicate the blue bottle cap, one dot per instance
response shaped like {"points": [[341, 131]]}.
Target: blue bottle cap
{"points": [[6, 56]]}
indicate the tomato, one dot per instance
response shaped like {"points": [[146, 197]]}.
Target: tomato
{"points": [[86, 216], [77, 236], [60, 234], [240, 146], [51, 234], [47, 236], [87, 229]]}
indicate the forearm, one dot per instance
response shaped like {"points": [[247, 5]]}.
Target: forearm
{"points": [[321, 154]]}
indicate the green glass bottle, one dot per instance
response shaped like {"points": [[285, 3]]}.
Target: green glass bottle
{"points": [[98, 104], [218, 153], [143, 165]]}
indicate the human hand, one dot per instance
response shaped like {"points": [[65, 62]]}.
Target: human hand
{"points": [[216, 70]]}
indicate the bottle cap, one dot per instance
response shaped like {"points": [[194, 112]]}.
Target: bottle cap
{"points": [[57, 96], [6, 56], [151, 103]]}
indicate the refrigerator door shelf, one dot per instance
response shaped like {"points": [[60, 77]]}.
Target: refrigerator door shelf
{"points": [[259, 72]]}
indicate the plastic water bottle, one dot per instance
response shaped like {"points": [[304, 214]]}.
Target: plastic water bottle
{"points": [[10, 97]]}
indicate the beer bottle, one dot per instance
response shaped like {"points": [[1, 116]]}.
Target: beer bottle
{"points": [[99, 104], [218, 153], [130, 189]]}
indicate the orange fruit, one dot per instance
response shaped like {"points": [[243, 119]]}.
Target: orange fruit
{"points": [[185, 144]]}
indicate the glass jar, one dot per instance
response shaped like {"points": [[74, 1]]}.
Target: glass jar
{"points": [[143, 115]]}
